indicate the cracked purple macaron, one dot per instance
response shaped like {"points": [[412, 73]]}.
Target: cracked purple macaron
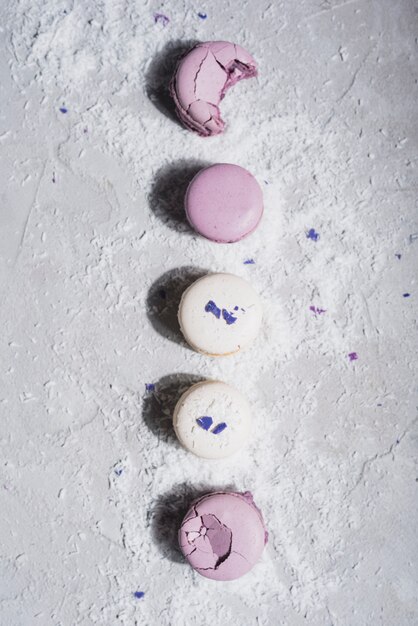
{"points": [[203, 76], [223, 535]]}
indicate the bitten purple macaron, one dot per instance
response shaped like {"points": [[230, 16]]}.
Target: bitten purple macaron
{"points": [[201, 80], [224, 203]]}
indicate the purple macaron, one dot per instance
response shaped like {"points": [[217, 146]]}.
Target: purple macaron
{"points": [[201, 80], [223, 535], [224, 203]]}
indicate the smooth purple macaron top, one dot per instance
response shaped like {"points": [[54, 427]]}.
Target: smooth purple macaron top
{"points": [[223, 535], [224, 202]]}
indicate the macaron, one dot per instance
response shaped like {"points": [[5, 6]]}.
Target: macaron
{"points": [[220, 314], [223, 535], [212, 419], [224, 203], [201, 79]]}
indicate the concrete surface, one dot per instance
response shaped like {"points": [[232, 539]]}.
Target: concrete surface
{"points": [[94, 253]]}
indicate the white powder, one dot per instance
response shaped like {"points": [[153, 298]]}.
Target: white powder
{"points": [[92, 476]]}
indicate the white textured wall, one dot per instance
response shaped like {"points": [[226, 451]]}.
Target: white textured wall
{"points": [[91, 479]]}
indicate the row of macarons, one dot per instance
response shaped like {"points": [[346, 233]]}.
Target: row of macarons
{"points": [[219, 314], [223, 534]]}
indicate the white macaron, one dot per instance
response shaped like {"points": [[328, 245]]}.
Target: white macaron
{"points": [[212, 419], [220, 314]]}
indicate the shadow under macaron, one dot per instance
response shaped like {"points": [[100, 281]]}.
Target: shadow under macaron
{"points": [[160, 72], [158, 407], [163, 301], [168, 192], [168, 513]]}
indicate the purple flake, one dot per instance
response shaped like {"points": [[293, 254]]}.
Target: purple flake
{"points": [[249, 262], [212, 308], [228, 317], [353, 356], [236, 308], [149, 387], [317, 310], [216, 311], [312, 234], [219, 428], [160, 18], [139, 594], [398, 256], [118, 471], [202, 16], [205, 422], [63, 110], [406, 295]]}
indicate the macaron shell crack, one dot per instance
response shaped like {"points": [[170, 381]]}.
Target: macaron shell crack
{"points": [[223, 535]]}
